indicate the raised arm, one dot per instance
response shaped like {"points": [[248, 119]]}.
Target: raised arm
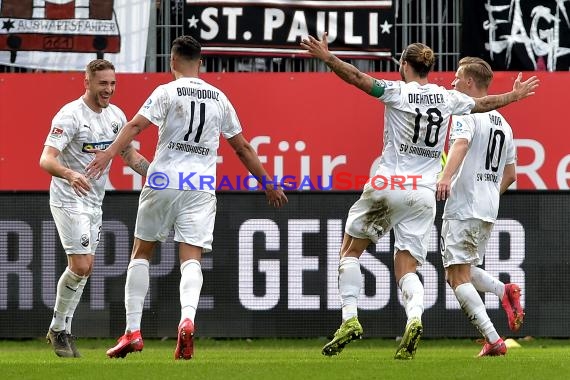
{"points": [[520, 91], [347, 72]]}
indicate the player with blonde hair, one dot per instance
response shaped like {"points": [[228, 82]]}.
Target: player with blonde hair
{"points": [[480, 167]]}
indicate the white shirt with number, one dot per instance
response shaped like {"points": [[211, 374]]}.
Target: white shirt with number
{"points": [[415, 127], [75, 128], [475, 188], [190, 115]]}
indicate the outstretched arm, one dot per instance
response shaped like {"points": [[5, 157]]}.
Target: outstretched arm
{"points": [[520, 91], [347, 72], [124, 138], [135, 160], [250, 160]]}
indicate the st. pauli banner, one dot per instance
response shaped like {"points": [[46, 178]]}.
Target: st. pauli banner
{"points": [[64, 35], [518, 35], [356, 29]]}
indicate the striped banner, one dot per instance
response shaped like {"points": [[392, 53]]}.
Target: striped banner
{"points": [[64, 35]]}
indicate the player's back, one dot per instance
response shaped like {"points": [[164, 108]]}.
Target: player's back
{"points": [[475, 188], [190, 115], [415, 127]]}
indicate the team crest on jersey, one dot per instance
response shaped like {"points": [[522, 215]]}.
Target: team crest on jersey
{"points": [[115, 126], [147, 104], [56, 133], [84, 240], [101, 145]]}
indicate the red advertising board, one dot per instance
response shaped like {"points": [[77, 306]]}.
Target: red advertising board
{"points": [[303, 125]]}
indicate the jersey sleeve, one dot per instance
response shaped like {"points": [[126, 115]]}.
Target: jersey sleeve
{"points": [[392, 95], [460, 104], [63, 129], [462, 127], [156, 106], [231, 125]]}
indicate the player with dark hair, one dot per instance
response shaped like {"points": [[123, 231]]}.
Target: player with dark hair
{"points": [[190, 115]]}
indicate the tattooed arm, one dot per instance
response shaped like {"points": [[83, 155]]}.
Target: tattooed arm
{"points": [[520, 91], [347, 72], [135, 160]]}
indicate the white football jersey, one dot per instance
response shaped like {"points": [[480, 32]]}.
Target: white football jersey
{"points": [[74, 128], [190, 115], [475, 188], [415, 127]]}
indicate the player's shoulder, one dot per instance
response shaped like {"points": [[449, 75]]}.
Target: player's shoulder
{"points": [[73, 106], [115, 109], [390, 84], [70, 111]]}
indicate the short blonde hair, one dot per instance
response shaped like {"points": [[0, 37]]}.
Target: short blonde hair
{"points": [[477, 69]]}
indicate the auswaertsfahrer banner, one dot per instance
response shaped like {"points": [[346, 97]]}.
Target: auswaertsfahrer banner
{"points": [[356, 29], [518, 35], [65, 35]]}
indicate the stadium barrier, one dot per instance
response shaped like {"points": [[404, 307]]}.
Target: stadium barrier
{"points": [[273, 273]]}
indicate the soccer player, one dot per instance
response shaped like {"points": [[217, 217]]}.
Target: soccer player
{"points": [[75, 201], [415, 126], [190, 115], [480, 167]]}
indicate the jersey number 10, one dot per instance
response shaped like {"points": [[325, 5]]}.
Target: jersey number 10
{"points": [[494, 135]]}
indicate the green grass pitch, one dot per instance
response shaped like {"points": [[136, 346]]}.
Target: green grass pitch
{"points": [[287, 359]]}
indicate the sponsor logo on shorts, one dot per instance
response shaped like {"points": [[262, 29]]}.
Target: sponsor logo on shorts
{"points": [[101, 145], [85, 240]]}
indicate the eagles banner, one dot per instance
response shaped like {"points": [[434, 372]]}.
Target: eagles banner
{"points": [[518, 35], [65, 35], [356, 29]]}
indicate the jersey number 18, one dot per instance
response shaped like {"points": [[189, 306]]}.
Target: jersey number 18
{"points": [[431, 122]]}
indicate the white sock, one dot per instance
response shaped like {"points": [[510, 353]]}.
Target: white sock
{"points": [[66, 290], [136, 288], [190, 286], [349, 285], [74, 303], [485, 283], [412, 295], [472, 304]]}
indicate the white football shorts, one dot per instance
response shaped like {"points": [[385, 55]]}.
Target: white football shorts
{"points": [[464, 241], [79, 231], [410, 212], [191, 213]]}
